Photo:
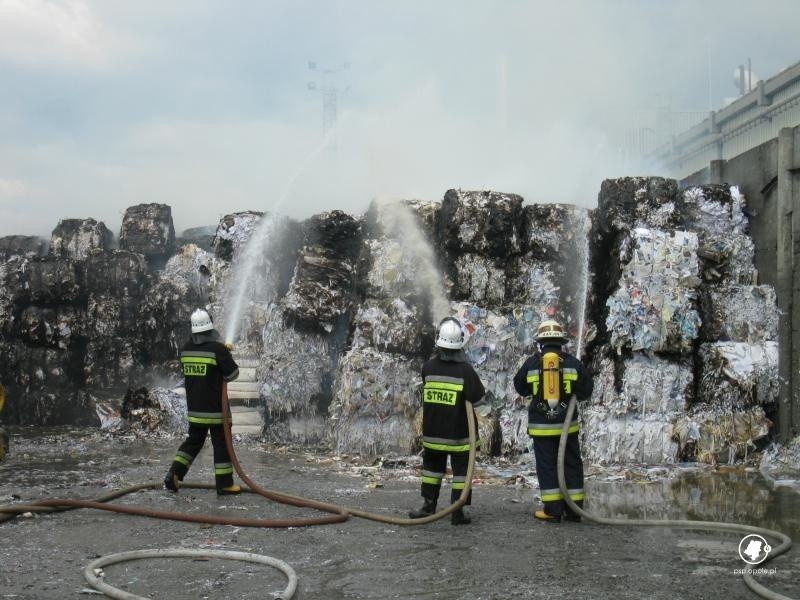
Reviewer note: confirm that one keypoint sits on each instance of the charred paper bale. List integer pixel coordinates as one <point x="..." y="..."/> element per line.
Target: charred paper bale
<point x="738" y="375"/>
<point x="112" y="329"/>
<point x="63" y="406"/>
<point x="202" y="237"/>
<point x="148" y="230"/>
<point x="321" y="291"/>
<point x="117" y="273"/>
<point x="717" y="434"/>
<point x="233" y="233"/>
<point x="714" y="209"/>
<point x="157" y="409"/>
<point x="727" y="258"/>
<point x="22" y="245"/>
<point x="392" y="326"/>
<point x="45" y="281"/>
<point x="376" y="397"/>
<point x="630" y="202"/>
<point x="485" y="223"/>
<point x="738" y="313"/>
<point x="553" y="231"/>
<point x="76" y="238"/>
<point x="53" y="327"/>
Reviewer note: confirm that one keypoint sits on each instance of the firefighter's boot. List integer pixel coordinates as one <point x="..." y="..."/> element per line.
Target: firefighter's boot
<point x="428" y="508"/>
<point x="459" y="518"/>
<point x="540" y="515"/>
<point x="171" y="481"/>
<point x="230" y="490"/>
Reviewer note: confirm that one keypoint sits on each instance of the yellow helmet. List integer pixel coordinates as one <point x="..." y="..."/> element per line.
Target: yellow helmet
<point x="550" y="331"/>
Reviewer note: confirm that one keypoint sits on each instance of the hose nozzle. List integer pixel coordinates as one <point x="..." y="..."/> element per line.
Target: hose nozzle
<point x="229" y="346"/>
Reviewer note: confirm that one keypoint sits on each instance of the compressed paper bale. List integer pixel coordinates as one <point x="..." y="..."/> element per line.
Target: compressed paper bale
<point x="781" y="461"/>
<point x="295" y="368"/>
<point x="370" y="436"/>
<point x="656" y="386"/>
<point x="671" y="258"/>
<point x="611" y="439"/>
<point x="322" y="285"/>
<point x="233" y="232"/>
<point x="391" y="326"/>
<point x="369" y="382"/>
<point x="651" y="317"/>
<point x="148" y="229"/>
<point x="727" y="258"/>
<point x="482" y="222"/>
<point x="628" y="202"/>
<point x="737" y="374"/>
<point x="393" y="270"/>
<point x="715" y="209"/>
<point x="739" y="313"/>
<point x="605" y="392"/>
<point x="76" y="238"/>
<point x="480" y="280"/>
<point x="116" y="272"/>
<point x="514" y="429"/>
<point x="713" y="434"/>
<point x="553" y="230"/>
<point x="54" y="327"/>
<point x="22" y="245"/>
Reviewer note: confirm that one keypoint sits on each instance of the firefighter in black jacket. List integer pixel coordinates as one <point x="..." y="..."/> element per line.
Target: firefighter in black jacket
<point x="448" y="381"/>
<point x="207" y="363"/>
<point x="551" y="377"/>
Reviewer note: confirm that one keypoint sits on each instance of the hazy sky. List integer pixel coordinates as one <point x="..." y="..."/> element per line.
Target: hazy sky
<point x="205" y="105"/>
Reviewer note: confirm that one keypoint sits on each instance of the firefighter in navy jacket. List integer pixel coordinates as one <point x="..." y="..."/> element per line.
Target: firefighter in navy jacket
<point x="448" y="381"/>
<point x="207" y="363"/>
<point x="550" y="377"/>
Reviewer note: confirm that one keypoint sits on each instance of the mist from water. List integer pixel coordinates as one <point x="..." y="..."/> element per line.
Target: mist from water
<point x="400" y="221"/>
<point x="583" y="273"/>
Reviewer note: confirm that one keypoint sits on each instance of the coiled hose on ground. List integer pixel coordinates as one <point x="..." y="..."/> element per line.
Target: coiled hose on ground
<point x="756" y="587"/>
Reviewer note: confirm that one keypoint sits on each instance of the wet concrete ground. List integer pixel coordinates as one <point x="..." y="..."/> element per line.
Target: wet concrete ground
<point x="504" y="553"/>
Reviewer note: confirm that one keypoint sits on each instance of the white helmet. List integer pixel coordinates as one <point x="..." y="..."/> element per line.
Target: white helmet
<point x="550" y="330"/>
<point x="201" y="321"/>
<point x="451" y="334"/>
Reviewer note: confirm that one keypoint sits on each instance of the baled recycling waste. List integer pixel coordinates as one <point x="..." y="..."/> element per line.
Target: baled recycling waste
<point x="656" y="288"/>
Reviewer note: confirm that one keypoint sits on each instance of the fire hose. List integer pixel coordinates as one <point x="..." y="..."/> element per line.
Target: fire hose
<point x="760" y="590"/>
<point x="339" y="514"/>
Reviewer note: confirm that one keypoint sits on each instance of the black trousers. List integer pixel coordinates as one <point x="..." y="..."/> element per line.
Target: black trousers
<point x="434" y="465"/>
<point x="190" y="448"/>
<point x="545" y="449"/>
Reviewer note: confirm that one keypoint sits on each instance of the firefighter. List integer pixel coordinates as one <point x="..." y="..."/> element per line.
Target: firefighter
<point x="207" y="363"/>
<point x="550" y="377"/>
<point x="448" y="381"/>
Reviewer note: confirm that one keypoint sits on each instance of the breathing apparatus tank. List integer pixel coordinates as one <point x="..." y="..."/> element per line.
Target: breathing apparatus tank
<point x="551" y="380"/>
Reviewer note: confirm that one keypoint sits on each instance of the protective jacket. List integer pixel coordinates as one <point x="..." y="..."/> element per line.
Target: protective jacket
<point x="206" y="364"/>
<point x="448" y="381"/>
<point x="544" y="419"/>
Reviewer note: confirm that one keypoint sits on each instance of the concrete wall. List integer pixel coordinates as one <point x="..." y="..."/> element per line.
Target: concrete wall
<point x="769" y="177"/>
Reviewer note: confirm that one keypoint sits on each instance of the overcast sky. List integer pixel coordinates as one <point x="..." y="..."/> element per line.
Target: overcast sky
<point x="205" y="105"/>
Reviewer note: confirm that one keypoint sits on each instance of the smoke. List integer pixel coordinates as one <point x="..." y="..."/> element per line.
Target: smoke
<point x="207" y="106"/>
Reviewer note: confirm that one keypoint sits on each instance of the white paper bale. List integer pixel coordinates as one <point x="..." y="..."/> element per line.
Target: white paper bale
<point x="627" y="439"/>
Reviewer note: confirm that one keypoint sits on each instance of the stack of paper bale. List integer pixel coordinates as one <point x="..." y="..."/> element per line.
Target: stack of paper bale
<point x="376" y="390"/>
<point x="737" y="361"/>
<point x="683" y="275"/>
<point x="511" y="267"/>
<point x="646" y="274"/>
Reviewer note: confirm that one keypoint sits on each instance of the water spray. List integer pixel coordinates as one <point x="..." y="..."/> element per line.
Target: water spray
<point x="583" y="290"/>
<point x="254" y="247"/>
